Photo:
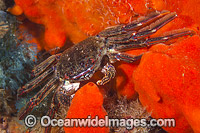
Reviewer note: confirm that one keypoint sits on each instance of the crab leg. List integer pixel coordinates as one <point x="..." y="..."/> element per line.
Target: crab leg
<point x="50" y="86"/>
<point x="109" y="71"/>
<point x="51" y="112"/>
<point x="154" y="27"/>
<point x="142" y="32"/>
<point x="151" y="41"/>
<point x="43" y="65"/>
<point x="176" y="34"/>
<point x="125" y="57"/>
<point x="133" y="26"/>
<point x="64" y="98"/>
<point x="35" y="82"/>
<point x="59" y="98"/>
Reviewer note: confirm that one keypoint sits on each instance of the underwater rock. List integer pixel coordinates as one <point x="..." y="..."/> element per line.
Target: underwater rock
<point x="7" y="106"/>
<point x="17" y="56"/>
<point x="6" y="4"/>
<point x="2" y="5"/>
<point x="168" y="79"/>
<point x="129" y="109"/>
<point x="4" y="25"/>
<point x="11" y="125"/>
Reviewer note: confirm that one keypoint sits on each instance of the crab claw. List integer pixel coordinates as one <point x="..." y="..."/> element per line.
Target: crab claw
<point x="70" y="88"/>
<point x="109" y="73"/>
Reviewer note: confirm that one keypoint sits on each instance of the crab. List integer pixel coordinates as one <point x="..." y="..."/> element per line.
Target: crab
<point x="65" y="71"/>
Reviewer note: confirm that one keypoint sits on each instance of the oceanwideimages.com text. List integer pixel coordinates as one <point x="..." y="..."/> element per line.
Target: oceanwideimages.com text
<point x="129" y="124"/>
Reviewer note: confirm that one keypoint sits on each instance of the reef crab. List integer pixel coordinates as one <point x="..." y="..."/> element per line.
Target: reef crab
<point x="65" y="71"/>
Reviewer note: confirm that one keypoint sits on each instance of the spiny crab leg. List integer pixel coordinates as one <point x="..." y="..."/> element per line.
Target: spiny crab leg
<point x="46" y="63"/>
<point x="64" y="98"/>
<point x="124" y="57"/>
<point x="33" y="83"/>
<point x="50" y="86"/>
<point x="133" y="26"/>
<point x="170" y="36"/>
<point x="37" y="71"/>
<point x="145" y="20"/>
<point x="109" y="71"/>
<point x="60" y="97"/>
<point x="51" y="112"/>
<point x="154" y="27"/>
<point x="151" y="41"/>
<point x="142" y="32"/>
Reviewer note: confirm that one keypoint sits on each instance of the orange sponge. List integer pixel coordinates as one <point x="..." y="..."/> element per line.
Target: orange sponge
<point x="168" y="80"/>
<point x="87" y="101"/>
<point x="77" y="19"/>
